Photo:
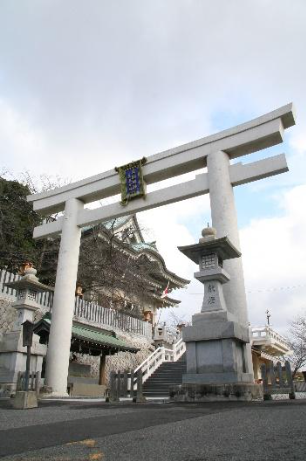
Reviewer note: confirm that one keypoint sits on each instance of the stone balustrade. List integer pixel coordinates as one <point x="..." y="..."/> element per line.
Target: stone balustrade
<point x="269" y="340"/>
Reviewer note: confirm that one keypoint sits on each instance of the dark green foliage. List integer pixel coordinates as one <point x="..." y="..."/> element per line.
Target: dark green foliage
<point x="17" y="221"/>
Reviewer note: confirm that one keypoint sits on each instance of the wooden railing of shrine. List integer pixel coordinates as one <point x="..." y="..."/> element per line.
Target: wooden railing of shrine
<point x="91" y="312"/>
<point x="277" y="379"/>
<point x="102" y="315"/>
<point x="126" y="384"/>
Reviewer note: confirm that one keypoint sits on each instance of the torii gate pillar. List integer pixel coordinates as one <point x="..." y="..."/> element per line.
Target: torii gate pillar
<point x="224" y="220"/>
<point x="63" y="302"/>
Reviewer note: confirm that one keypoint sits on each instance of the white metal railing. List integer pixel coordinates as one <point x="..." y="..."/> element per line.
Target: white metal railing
<point x="159" y="356"/>
<point x="83" y="309"/>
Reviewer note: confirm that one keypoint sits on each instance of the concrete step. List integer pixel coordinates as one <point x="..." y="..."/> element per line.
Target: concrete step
<point x="164" y="380"/>
<point x="168" y="374"/>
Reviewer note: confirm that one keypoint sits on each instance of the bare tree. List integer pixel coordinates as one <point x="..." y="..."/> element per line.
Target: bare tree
<point x="113" y="273"/>
<point x="297" y="341"/>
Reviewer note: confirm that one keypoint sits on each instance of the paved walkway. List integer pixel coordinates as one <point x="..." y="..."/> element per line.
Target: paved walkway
<point x="86" y="430"/>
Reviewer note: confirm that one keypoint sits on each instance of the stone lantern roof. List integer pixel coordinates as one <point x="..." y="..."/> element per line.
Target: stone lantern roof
<point x="29" y="280"/>
<point x="221" y="246"/>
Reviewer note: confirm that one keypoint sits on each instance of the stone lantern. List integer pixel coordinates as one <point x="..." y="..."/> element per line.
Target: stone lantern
<point x="28" y="288"/>
<point x="209" y="254"/>
<point x="12" y="352"/>
<point x="216" y="343"/>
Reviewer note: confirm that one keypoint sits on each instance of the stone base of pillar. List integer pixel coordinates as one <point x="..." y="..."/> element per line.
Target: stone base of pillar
<point x="216" y="392"/>
<point x="216" y="351"/>
<point x="24" y="400"/>
<point x="53" y="395"/>
<point x="13" y="357"/>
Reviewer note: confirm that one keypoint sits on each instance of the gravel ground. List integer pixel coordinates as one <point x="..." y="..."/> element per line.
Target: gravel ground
<point x="274" y="430"/>
<point x="52" y="412"/>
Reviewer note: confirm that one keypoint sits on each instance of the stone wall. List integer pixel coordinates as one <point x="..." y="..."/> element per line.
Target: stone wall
<point x="7" y="316"/>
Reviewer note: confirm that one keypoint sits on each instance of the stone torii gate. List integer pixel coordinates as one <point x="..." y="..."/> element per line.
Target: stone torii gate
<point x="213" y="152"/>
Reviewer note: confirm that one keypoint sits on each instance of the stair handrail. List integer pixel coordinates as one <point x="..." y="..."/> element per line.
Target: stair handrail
<point x="149" y="365"/>
<point x="159" y="356"/>
<point x="178" y="349"/>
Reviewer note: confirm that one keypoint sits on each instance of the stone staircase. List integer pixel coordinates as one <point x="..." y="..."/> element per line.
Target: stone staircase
<point x="167" y="374"/>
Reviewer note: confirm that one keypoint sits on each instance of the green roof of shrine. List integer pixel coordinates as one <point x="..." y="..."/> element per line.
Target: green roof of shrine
<point x="110" y="225"/>
<point x="144" y="246"/>
<point x="117" y="222"/>
<point x="93" y="335"/>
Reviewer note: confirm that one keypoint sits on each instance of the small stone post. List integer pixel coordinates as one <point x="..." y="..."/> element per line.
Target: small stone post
<point x="140" y="398"/>
<point x="113" y="389"/>
<point x="265" y="383"/>
<point x="132" y="385"/>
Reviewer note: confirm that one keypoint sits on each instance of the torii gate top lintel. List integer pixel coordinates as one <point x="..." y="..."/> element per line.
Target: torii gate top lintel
<point x="249" y="137"/>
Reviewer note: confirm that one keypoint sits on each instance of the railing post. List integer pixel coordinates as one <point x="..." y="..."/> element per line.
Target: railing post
<point x="119" y="384"/>
<point x="132" y="385"/>
<point x="112" y="394"/>
<point x="139" y="393"/>
<point x="271" y="372"/>
<point x="265" y="384"/>
<point x="125" y="384"/>
<point x="280" y="374"/>
<point x="163" y="353"/>
<point x="290" y="380"/>
<point x="37" y="382"/>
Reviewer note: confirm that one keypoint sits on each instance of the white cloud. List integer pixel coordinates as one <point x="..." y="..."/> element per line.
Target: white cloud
<point x="87" y="87"/>
<point x="274" y="255"/>
<point x="19" y="139"/>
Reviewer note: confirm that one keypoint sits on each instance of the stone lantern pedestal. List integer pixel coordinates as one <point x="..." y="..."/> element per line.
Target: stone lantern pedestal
<point x="216" y="343"/>
<point x="12" y="352"/>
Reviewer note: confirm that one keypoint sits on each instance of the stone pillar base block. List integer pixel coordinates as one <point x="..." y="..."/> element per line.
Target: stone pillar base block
<point x="139" y="399"/>
<point x="24" y="400"/>
<point x="46" y="392"/>
<point x="215" y="392"/>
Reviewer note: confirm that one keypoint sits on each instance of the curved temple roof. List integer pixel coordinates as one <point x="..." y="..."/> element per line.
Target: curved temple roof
<point x="96" y="337"/>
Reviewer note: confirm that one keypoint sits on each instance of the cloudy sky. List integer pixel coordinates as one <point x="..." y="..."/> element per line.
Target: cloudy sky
<point x="89" y="85"/>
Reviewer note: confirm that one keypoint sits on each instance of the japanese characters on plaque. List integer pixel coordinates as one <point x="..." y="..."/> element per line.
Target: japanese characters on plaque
<point x="211" y="289"/>
<point x="132" y="183"/>
<point x="208" y="261"/>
